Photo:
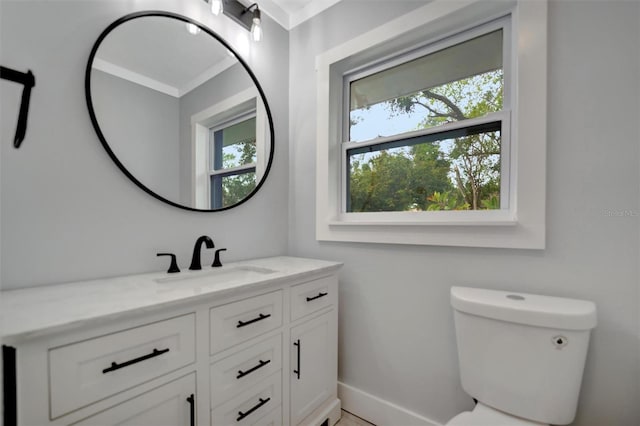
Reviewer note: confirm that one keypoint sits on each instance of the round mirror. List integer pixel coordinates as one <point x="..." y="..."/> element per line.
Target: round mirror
<point x="179" y="112"/>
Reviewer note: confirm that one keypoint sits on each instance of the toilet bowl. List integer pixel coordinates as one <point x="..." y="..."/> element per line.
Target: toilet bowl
<point x="521" y="356"/>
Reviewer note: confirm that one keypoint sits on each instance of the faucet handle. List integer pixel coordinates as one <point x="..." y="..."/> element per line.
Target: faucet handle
<point x="216" y="260"/>
<point x="174" y="265"/>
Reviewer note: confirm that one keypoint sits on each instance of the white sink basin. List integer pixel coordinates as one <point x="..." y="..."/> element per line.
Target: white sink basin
<point x="218" y="275"/>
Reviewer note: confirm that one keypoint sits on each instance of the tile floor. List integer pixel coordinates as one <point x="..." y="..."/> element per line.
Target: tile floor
<point x="349" y="419"/>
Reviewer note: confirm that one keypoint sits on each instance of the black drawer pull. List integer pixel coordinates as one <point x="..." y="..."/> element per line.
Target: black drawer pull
<point x="309" y="299"/>
<point x="251" y="370"/>
<point x="192" y="410"/>
<point x="115" y="366"/>
<point x="297" y="344"/>
<point x="242" y="415"/>
<point x="260" y="318"/>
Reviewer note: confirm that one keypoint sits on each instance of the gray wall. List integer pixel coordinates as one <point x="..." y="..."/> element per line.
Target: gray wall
<point x="396" y="327"/>
<point x="67" y="212"/>
<point x="141" y="126"/>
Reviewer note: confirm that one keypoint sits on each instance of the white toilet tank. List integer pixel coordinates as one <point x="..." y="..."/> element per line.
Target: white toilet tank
<point x="520" y="353"/>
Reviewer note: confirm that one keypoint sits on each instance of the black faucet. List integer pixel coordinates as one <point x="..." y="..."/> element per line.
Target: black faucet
<point x="216" y="260"/>
<point x="195" y="260"/>
<point x="174" y="265"/>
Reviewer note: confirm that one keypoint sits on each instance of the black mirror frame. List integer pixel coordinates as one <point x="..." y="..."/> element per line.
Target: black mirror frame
<point x="105" y="144"/>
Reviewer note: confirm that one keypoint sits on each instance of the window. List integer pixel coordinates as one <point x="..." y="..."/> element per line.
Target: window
<point x="425" y="133"/>
<point x="432" y="129"/>
<point x="232" y="169"/>
<point x="230" y="150"/>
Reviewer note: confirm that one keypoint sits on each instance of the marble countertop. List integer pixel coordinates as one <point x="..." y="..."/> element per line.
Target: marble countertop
<point x="39" y="310"/>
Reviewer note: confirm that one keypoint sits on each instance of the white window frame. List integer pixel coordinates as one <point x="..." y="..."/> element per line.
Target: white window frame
<point x="503" y="116"/>
<point x="520" y="223"/>
<point x="232" y="171"/>
<point x="201" y="124"/>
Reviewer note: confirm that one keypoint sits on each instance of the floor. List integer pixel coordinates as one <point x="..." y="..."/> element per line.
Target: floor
<point x="349" y="419"/>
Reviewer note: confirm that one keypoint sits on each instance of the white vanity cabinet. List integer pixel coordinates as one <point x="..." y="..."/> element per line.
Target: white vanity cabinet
<point x="313" y="354"/>
<point x="313" y="346"/>
<point x="90" y="370"/>
<point x="157" y="350"/>
<point x="162" y="406"/>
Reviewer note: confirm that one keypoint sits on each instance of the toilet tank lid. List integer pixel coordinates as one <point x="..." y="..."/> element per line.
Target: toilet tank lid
<point x="523" y="308"/>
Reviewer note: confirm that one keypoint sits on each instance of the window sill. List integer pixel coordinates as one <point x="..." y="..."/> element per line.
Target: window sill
<point x="492" y="234"/>
<point x="443" y="223"/>
<point x="432" y="218"/>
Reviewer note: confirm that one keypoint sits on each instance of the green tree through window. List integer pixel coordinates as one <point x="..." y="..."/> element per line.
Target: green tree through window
<point x="234" y="162"/>
<point x="460" y="173"/>
<point x="236" y="187"/>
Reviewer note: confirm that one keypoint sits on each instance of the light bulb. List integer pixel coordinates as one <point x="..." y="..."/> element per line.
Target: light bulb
<point x="256" y="31"/>
<point x="256" y="28"/>
<point x="216" y="7"/>
<point x="192" y="28"/>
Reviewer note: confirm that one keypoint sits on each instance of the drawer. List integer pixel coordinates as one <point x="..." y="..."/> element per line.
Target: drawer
<point x="274" y="418"/>
<point x="85" y="372"/>
<point x="252" y="407"/>
<point x="313" y="296"/>
<point x="239" y="321"/>
<point x="244" y="369"/>
<point x="166" y="405"/>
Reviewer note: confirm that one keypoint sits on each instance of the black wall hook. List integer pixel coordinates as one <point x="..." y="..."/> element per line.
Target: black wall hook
<point x="28" y="80"/>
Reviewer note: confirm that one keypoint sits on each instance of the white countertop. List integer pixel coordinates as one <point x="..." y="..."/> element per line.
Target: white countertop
<point x="38" y="310"/>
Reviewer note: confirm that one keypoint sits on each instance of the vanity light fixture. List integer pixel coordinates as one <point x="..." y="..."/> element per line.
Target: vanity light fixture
<point x="248" y="17"/>
<point x="256" y="27"/>
<point x="239" y="13"/>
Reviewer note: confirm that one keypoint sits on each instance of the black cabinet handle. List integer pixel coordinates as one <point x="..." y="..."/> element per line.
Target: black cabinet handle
<point x="309" y="299"/>
<point x="192" y="410"/>
<point x="259" y="318"/>
<point x="242" y="415"/>
<point x="116" y="366"/>
<point x="297" y="371"/>
<point x="251" y="370"/>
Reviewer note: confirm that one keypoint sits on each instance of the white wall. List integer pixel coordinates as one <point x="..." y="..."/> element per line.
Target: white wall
<point x="67" y="212"/>
<point x="396" y="329"/>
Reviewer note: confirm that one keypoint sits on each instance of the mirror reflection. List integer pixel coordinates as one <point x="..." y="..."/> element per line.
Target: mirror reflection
<point x="178" y="112"/>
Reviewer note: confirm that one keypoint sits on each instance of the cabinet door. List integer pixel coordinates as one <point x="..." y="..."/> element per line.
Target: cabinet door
<point x="167" y="405"/>
<point x="313" y="366"/>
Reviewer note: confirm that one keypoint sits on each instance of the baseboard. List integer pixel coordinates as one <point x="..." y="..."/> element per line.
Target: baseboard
<point x="377" y="410"/>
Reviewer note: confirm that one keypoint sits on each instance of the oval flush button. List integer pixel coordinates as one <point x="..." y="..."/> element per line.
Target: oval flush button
<point x="559" y="341"/>
<point x="515" y="297"/>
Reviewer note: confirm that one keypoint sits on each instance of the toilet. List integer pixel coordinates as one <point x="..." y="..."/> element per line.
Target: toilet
<point x="521" y="356"/>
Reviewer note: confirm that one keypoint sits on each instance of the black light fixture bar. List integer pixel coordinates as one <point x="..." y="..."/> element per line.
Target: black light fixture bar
<point x="239" y="13"/>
